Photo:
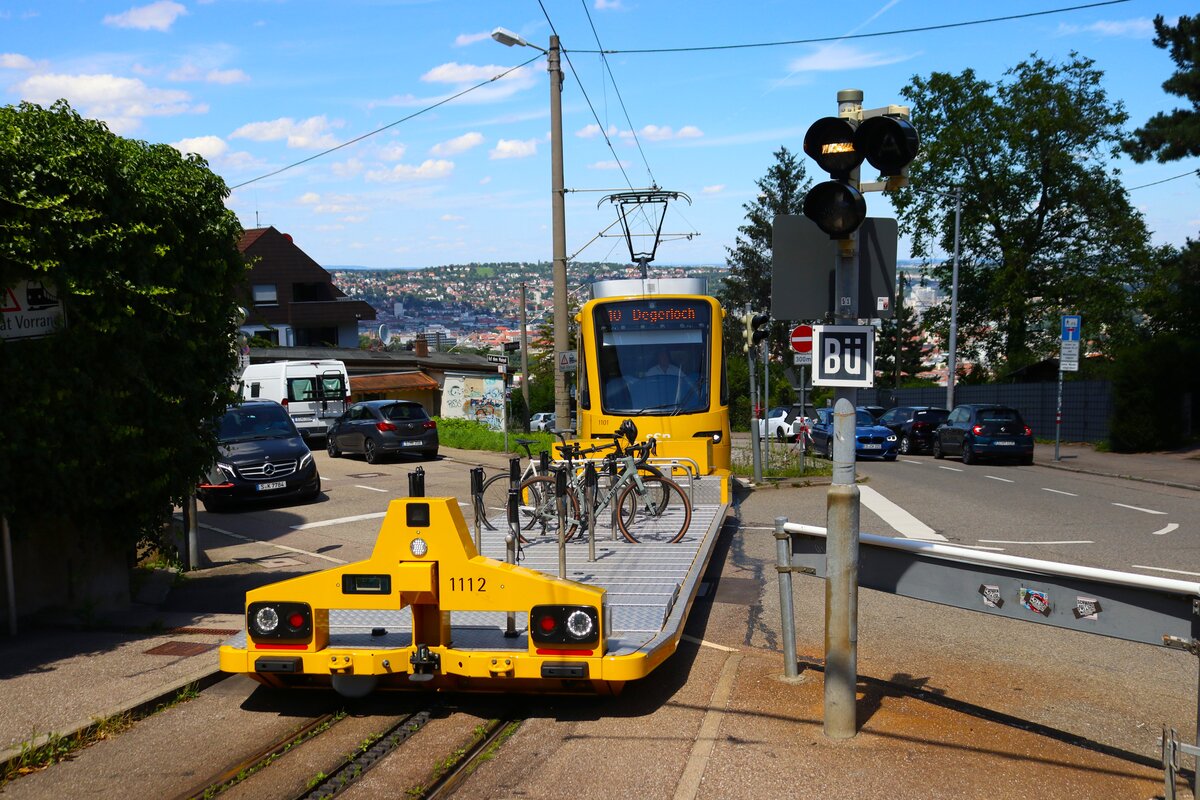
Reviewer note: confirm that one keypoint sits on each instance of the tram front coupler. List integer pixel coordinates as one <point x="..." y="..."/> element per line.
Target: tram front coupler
<point x="425" y="561"/>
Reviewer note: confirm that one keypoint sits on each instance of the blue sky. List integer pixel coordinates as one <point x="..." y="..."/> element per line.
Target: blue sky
<point x="257" y="85"/>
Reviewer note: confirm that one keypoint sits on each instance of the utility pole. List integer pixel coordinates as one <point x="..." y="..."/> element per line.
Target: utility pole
<point x="524" y="357"/>
<point x="562" y="405"/>
<point x="952" y="357"/>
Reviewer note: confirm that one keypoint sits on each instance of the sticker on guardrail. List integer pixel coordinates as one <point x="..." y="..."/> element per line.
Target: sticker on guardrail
<point x="1036" y="601"/>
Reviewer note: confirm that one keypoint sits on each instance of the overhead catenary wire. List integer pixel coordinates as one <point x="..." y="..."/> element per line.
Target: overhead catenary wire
<point x="845" y="37"/>
<point x="369" y="134"/>
<point x="1195" y="172"/>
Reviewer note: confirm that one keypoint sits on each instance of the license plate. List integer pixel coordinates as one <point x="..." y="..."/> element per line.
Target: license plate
<point x="264" y="487"/>
<point x="1004" y="443"/>
<point x="872" y="447"/>
<point x="413" y="443"/>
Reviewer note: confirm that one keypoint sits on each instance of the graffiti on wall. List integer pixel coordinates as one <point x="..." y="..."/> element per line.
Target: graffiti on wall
<point x="476" y="397"/>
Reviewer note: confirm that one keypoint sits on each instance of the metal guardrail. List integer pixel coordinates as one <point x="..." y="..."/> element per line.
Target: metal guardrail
<point x="1164" y="612"/>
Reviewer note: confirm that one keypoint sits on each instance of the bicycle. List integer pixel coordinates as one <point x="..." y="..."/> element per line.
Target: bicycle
<point x="649" y="505"/>
<point x="494" y="501"/>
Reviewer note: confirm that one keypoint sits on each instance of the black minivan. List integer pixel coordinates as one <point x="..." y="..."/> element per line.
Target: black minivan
<point x="260" y="455"/>
<point x="976" y="431"/>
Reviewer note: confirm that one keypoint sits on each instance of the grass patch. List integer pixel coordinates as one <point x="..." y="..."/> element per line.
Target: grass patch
<point x="467" y="434"/>
<point x="783" y="462"/>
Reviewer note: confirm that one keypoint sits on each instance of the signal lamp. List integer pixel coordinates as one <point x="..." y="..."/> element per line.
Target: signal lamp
<point x="837" y="208"/>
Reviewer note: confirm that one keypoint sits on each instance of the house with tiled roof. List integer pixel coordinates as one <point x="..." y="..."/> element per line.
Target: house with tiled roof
<point x="290" y="298"/>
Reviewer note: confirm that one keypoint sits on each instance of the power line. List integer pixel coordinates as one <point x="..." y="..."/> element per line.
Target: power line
<point x="1195" y="172"/>
<point x="357" y="139"/>
<point x="819" y="40"/>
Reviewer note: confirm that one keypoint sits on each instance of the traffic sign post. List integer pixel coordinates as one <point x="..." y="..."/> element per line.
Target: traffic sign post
<point x="1068" y="361"/>
<point x="801" y="341"/>
<point x="845" y="355"/>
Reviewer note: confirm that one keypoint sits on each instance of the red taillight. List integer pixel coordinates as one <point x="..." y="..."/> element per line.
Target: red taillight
<point x="346" y="400"/>
<point x="428" y="424"/>
<point x="384" y="426"/>
<point x="283" y="402"/>
<point x="547" y="623"/>
<point x="978" y="429"/>
<point x="1028" y="431"/>
<point x="920" y="426"/>
<point x="296" y="620"/>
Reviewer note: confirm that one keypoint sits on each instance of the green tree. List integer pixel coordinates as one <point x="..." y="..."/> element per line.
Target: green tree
<point x="901" y="330"/>
<point x="780" y="191"/>
<point x="1047" y="227"/>
<point x="108" y="421"/>
<point x="1170" y="137"/>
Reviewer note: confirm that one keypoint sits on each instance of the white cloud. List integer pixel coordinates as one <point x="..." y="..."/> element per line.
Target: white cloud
<point x="308" y="198"/>
<point x="348" y="168"/>
<point x="1137" y="28"/>
<point x="453" y="72"/>
<point x="450" y="218"/>
<point x="516" y="81"/>
<point x="209" y="147"/>
<point x="428" y="169"/>
<point x="514" y="148"/>
<point x="121" y="102"/>
<point x="485" y="180"/>
<point x="661" y="133"/>
<point x="459" y="144"/>
<point x="609" y="165"/>
<point x="242" y="160"/>
<point x="353" y="218"/>
<point x="393" y="152"/>
<point x="593" y="130"/>
<point x="15" y="61"/>
<point x="464" y="39"/>
<point x="226" y="76"/>
<point x="312" y="133"/>
<point x="157" y="16"/>
<point x="714" y="189"/>
<point x="609" y="5"/>
<point x="839" y="56"/>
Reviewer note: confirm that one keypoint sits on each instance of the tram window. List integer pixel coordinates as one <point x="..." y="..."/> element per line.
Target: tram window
<point x="584" y="395"/>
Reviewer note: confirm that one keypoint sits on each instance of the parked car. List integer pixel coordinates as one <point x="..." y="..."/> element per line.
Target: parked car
<point x="976" y="431"/>
<point x="552" y="425"/>
<point x="870" y="440"/>
<point x="378" y="428"/>
<point x="915" y="425"/>
<point x="777" y="424"/>
<point x="315" y="393"/>
<point x="541" y="421"/>
<point x="260" y="455"/>
<point x="875" y="411"/>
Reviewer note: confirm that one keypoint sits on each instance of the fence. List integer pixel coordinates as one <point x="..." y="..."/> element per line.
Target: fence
<point x="1087" y="405"/>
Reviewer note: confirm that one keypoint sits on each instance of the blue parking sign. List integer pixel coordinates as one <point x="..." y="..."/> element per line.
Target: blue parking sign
<point x="1071" y="323"/>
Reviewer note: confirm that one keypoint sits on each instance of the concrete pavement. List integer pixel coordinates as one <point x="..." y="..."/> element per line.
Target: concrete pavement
<point x="60" y="677"/>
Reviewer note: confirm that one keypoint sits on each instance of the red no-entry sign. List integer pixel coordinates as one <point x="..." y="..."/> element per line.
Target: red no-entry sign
<point x="802" y="338"/>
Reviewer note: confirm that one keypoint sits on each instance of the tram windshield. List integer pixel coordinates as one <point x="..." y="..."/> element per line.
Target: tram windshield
<point x="653" y="356"/>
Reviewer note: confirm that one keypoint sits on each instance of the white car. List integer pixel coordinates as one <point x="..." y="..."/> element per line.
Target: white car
<point x="541" y="421"/>
<point x="776" y="425"/>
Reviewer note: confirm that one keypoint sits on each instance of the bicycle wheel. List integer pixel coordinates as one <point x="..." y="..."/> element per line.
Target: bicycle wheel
<point x="538" y="511"/>
<point x="495" y="502"/>
<point x="660" y="513"/>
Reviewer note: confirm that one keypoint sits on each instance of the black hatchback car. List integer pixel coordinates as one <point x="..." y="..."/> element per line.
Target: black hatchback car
<point x="914" y="426"/>
<point x="260" y="455"/>
<point x="377" y="428"/>
<point x="984" y="431"/>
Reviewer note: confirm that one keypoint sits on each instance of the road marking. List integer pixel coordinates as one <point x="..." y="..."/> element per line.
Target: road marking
<point x="339" y="521"/>
<point x="706" y="643"/>
<point x="910" y="461"/>
<point x="1164" y="569"/>
<point x="369" y="488"/>
<point x="1139" y="508"/>
<point x="710" y="728"/>
<point x="993" y="477"/>
<point x="283" y="547"/>
<point x="1059" y="491"/>
<point x="1065" y="541"/>
<point x="952" y="469"/>
<point x="1170" y="527"/>
<point x="903" y="522"/>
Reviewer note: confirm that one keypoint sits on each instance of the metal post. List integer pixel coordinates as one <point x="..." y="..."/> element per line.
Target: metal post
<point x="193" y="533"/>
<point x="951" y="362"/>
<point x="590" y="480"/>
<point x="510" y="552"/>
<point x="504" y="406"/>
<point x="783" y="564"/>
<point x="524" y="358"/>
<point x="803" y="415"/>
<point x="477" y="504"/>
<point x="10" y="578"/>
<point x="416" y="482"/>
<point x="1058" y="411"/>
<point x="841" y="585"/>
<point x="560" y="497"/>
<point x="756" y="456"/>
<point x="562" y="406"/>
<point x="766" y="403"/>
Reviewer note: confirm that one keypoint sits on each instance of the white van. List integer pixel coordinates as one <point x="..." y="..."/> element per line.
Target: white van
<point x="315" y="393"/>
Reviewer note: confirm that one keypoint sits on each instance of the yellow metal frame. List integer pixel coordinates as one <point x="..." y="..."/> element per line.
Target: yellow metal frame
<point x="675" y="434"/>
<point x="450" y="576"/>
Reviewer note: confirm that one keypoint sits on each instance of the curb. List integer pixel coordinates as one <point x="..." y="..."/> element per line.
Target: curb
<point x="1156" y="481"/>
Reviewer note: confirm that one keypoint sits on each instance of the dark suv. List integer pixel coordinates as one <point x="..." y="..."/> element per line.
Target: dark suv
<point x="260" y="455"/>
<point x="984" y="431"/>
<point x="914" y="425"/>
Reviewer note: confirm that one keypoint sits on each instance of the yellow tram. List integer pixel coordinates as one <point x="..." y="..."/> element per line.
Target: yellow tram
<point x="435" y="608"/>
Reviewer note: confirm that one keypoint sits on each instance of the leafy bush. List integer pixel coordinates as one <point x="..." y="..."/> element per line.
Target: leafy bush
<point x="1155" y="391"/>
<point x="467" y="434"/>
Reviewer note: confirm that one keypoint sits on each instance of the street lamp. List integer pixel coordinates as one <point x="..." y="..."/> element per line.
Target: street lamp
<point x="558" y="208"/>
<point x="952" y="358"/>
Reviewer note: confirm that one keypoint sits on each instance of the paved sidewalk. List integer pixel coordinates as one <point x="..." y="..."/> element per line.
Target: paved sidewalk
<point x="57" y="679"/>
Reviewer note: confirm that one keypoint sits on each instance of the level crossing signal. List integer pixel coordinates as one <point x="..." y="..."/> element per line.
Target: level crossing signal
<point x="754" y="332"/>
<point x="839" y="145"/>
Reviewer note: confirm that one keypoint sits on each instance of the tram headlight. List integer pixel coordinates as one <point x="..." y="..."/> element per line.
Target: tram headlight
<point x="280" y="622"/>
<point x="580" y="625"/>
<point x="418" y="547"/>
<point x="573" y="625"/>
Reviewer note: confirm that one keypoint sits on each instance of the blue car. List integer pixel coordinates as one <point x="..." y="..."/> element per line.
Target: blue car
<point x="871" y="440"/>
<point x="976" y="431"/>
